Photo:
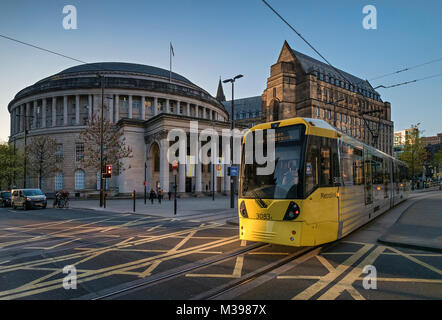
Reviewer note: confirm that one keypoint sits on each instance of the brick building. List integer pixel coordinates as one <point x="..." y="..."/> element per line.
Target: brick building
<point x="300" y="86"/>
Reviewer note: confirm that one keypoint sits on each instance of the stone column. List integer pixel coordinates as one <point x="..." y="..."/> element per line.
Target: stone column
<point x="89" y="105"/>
<point x="34" y="120"/>
<point x="130" y="107"/>
<point x="178" y="106"/>
<point x="182" y="179"/>
<point x="188" y="109"/>
<point x="143" y="108"/>
<point x="167" y="106"/>
<point x="43" y="113"/>
<point x="111" y="111"/>
<point x="198" y="173"/>
<point x="28" y="113"/>
<point x="65" y="110"/>
<point x="22" y="117"/>
<point x="196" y="111"/>
<point x="54" y="111"/>
<point x="77" y="110"/>
<point x="226" y="179"/>
<point x="12" y="121"/>
<point x="164" y="166"/>
<point x="155" y="106"/>
<point x="117" y="108"/>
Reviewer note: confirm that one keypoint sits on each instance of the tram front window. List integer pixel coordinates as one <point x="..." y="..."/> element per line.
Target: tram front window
<point x="285" y="181"/>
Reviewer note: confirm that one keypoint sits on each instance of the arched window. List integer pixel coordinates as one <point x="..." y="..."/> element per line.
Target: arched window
<point x="80" y="178"/>
<point x="58" y="181"/>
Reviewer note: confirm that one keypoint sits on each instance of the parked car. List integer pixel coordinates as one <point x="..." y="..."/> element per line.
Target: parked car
<point x="28" y="198"/>
<point x="5" y="198"/>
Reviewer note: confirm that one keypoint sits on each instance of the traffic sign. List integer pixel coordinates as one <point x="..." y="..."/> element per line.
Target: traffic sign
<point x="233" y="171"/>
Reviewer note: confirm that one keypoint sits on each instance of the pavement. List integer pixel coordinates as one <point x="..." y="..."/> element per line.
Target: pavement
<point x="419" y="226"/>
<point x="185" y="206"/>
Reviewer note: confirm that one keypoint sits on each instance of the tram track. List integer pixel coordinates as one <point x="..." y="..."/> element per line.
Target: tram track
<point x="223" y="291"/>
<point x="158" y="278"/>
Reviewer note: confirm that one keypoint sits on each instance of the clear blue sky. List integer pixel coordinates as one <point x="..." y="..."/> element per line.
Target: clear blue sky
<point x="226" y="37"/>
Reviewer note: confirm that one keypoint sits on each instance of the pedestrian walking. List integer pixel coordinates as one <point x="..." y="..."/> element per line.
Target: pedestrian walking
<point x="160" y="195"/>
<point x="151" y="195"/>
<point x="169" y="194"/>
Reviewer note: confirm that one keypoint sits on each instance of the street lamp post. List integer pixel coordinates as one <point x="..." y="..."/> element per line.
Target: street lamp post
<point x="145" y="182"/>
<point x="101" y="141"/>
<point x="213" y="177"/>
<point x="25" y="165"/>
<point x="232" y="180"/>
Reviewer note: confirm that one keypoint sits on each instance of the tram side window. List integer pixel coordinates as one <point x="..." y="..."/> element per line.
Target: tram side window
<point x="347" y="164"/>
<point x="311" y="166"/>
<point x="358" y="167"/>
<point x="403" y="172"/>
<point x="386" y="177"/>
<point x="396" y="178"/>
<point x="377" y="170"/>
<point x="325" y="167"/>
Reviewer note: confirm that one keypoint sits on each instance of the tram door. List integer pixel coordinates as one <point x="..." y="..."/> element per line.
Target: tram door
<point x="368" y="174"/>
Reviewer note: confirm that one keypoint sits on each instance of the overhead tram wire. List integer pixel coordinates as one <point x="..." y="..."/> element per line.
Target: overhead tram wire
<point x="86" y="64"/>
<point x="334" y="68"/>
<point x="40" y="48"/>
<point x="408" y="82"/>
<point x="406" y="69"/>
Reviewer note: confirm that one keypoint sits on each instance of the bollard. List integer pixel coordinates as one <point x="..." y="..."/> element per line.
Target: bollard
<point x="104" y="200"/>
<point x="174" y="199"/>
<point x="134" y="197"/>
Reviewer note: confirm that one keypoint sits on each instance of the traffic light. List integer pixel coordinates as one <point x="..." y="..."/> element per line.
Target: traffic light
<point x="108" y="173"/>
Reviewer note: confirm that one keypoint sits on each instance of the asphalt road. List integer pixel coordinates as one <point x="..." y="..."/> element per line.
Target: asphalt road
<point x="112" y="252"/>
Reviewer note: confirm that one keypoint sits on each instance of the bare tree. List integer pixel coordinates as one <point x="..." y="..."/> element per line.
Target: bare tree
<point x="42" y="159"/>
<point x="114" y="145"/>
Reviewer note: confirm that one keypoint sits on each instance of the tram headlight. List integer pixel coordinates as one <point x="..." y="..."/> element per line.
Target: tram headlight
<point x="243" y="210"/>
<point x="292" y="212"/>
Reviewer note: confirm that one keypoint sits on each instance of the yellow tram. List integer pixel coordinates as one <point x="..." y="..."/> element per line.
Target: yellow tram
<point x="324" y="185"/>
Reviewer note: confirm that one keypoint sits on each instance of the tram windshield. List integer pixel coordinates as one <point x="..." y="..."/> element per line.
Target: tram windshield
<point x="285" y="182"/>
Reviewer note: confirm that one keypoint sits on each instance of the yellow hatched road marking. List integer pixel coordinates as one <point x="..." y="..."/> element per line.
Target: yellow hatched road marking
<point x="299" y="277"/>
<point x="235" y="274"/>
<point x="54" y="246"/>
<point x="90" y="275"/>
<point x="419" y="262"/>
<point x="153" y="228"/>
<point x="325" y="263"/>
<point x="327" y="279"/>
<point x="406" y="280"/>
<point x="155" y="264"/>
<point x="347" y="282"/>
<point x="96" y="250"/>
<point x="269" y="253"/>
<point x="149" y="270"/>
<point x="59" y="233"/>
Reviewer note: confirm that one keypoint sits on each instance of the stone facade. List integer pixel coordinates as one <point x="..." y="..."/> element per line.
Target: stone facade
<point x="300" y="86"/>
<point x="141" y="100"/>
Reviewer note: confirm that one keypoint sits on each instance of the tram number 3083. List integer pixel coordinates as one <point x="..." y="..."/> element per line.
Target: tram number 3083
<point x="264" y="216"/>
